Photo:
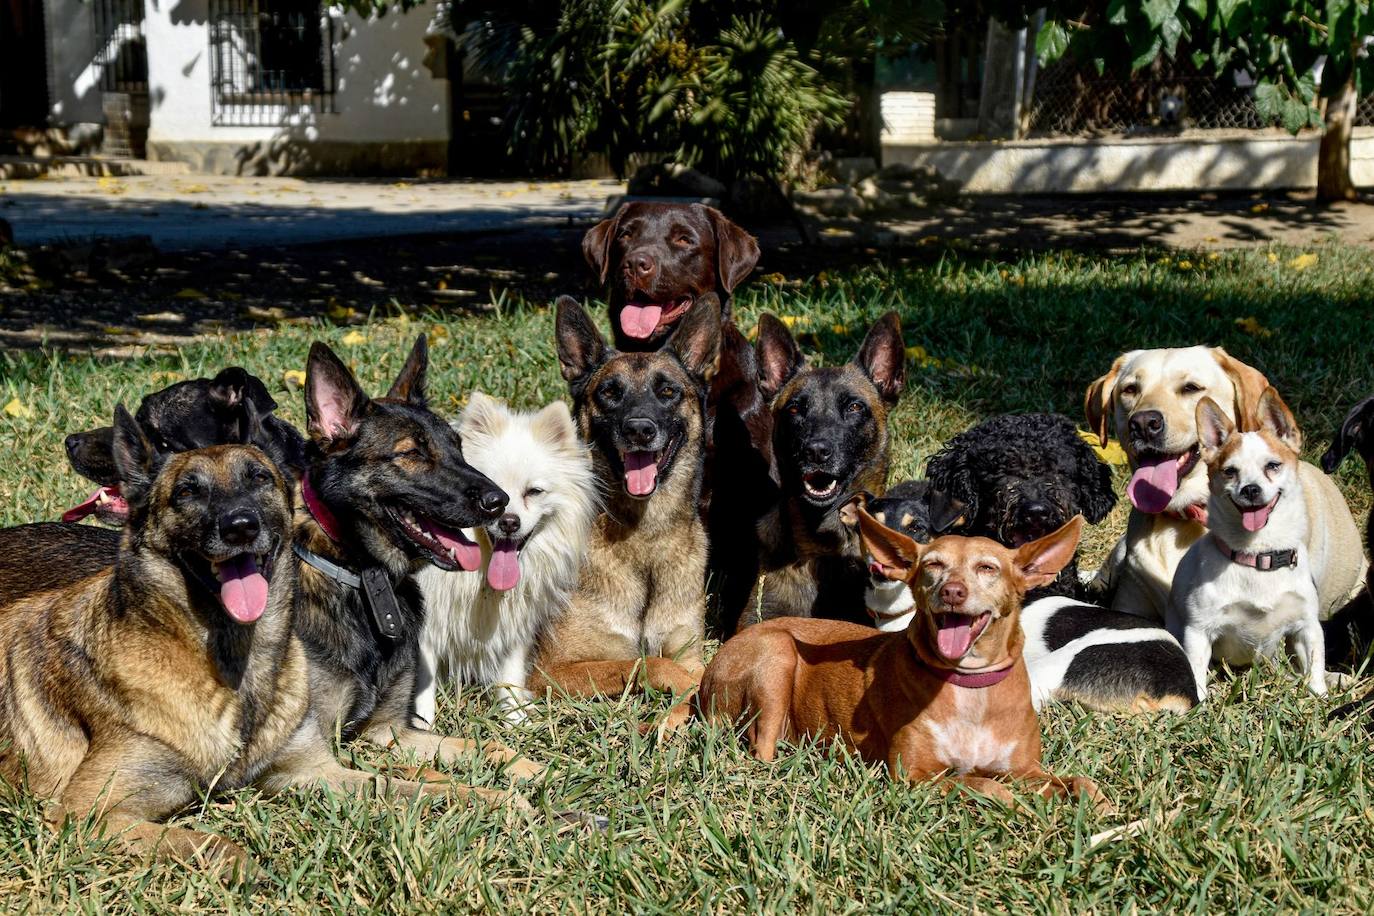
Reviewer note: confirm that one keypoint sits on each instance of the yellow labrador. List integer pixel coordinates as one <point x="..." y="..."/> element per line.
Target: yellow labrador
<point x="1151" y="397"/>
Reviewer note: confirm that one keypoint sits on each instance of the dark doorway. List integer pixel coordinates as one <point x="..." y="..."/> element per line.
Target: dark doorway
<point x="23" y="64"/>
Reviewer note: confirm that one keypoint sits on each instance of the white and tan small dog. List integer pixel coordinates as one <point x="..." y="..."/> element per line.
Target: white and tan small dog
<point x="481" y="627"/>
<point x="1247" y="590"/>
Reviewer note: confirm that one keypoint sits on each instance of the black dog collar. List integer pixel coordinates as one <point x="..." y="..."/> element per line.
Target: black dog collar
<point x="375" y="584"/>
<point x="1264" y="562"/>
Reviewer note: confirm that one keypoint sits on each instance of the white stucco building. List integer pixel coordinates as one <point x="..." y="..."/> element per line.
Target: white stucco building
<point x="240" y="86"/>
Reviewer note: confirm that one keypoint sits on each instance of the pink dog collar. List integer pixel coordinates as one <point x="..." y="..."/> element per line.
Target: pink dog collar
<point x="976" y="680"/>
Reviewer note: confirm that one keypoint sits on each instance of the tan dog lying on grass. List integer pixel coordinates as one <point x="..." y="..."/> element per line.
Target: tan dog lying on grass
<point x="949" y="697"/>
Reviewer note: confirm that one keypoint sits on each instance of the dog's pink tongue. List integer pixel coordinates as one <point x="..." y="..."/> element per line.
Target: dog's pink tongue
<point x="117" y="504"/>
<point x="955" y="635"/>
<point x="503" y="572"/>
<point x="242" y="589"/>
<point x="1255" y="519"/>
<point x="465" y="552"/>
<point x="1153" y="484"/>
<point x="640" y="320"/>
<point x="641" y="473"/>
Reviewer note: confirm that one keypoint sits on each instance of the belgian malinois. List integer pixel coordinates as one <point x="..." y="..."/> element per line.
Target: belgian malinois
<point x="639" y="607"/>
<point x="829" y="440"/>
<point x="135" y="691"/>
<point x="387" y="492"/>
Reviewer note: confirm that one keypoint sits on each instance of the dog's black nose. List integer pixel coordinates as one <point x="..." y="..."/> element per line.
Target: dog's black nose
<point x="1037" y="511"/>
<point x="642" y="263"/>
<point x="640" y="431"/>
<point x="490" y="503"/>
<point x="818" y="451"/>
<point x="509" y="523"/>
<point x="1146" y="424"/>
<point x="239" y="527"/>
<point x="1251" y="493"/>
<point x="73" y="442"/>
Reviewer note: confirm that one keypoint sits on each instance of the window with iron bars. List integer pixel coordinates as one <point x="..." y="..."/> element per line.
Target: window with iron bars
<point x="121" y="52"/>
<point x="270" y="60"/>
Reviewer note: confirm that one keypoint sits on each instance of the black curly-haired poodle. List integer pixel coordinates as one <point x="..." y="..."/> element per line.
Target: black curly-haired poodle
<point x="1022" y="476"/>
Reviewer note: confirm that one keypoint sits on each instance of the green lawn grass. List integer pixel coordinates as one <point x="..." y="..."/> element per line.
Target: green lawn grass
<point x="1273" y="803"/>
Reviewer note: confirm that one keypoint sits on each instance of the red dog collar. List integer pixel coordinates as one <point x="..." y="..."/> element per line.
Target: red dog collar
<point x="976" y="680"/>
<point x="318" y="510"/>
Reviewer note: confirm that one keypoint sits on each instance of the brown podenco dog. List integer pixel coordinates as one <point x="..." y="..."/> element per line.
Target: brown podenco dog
<point x="950" y="695"/>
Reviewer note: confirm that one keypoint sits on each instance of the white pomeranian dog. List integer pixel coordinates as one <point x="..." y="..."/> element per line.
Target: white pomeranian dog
<point x="481" y="627"/>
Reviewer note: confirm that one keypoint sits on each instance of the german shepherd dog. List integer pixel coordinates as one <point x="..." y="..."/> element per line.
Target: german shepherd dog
<point x="658" y="262"/>
<point x="175" y="672"/>
<point x="830" y="439"/>
<point x="387" y="493"/>
<point x="639" y="607"/>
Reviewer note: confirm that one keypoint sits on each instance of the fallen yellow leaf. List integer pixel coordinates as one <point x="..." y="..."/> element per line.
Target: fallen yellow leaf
<point x="1273" y="258"/>
<point x="1250" y="325"/>
<point x="795" y="321"/>
<point x="776" y="279"/>
<point x="1259" y="208"/>
<point x="17" y="408"/>
<point x="1303" y="261"/>
<point x="1185" y="265"/>
<point x="340" y="312"/>
<point x="188" y="293"/>
<point x="353" y="338"/>
<point x="293" y="378"/>
<point x="840" y="328"/>
<point x="401" y="184"/>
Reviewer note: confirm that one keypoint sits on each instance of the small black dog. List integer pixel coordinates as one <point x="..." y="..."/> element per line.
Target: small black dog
<point x="1356" y="433"/>
<point x="189" y="415"/>
<point x="1023" y="476"/>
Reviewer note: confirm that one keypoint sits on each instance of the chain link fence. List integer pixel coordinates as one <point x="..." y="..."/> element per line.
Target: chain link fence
<point x="1071" y="99"/>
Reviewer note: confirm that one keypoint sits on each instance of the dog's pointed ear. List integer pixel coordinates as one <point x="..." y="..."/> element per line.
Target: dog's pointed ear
<point x="946" y="512"/>
<point x="849" y="509"/>
<point x="1100" y="399"/>
<point x="554" y="426"/>
<point x="894" y="552"/>
<point x="410" y="384"/>
<point x="779" y="356"/>
<point x="136" y="459"/>
<point x="1214" y="427"/>
<point x="1276" y="419"/>
<point x="696" y="339"/>
<point x="882" y="357"/>
<point x="1041" y="560"/>
<point x="334" y="402"/>
<point x="581" y="348"/>
<point x="1354" y="433"/>
<point x="737" y="252"/>
<point x="950" y="475"/>
<point x="596" y="245"/>
<point x="483" y="416"/>
<point x="227" y="387"/>
<point x="1249" y="384"/>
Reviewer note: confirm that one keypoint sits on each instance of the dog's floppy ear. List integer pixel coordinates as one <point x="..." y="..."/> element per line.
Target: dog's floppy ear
<point x="410" y="384"/>
<point x="596" y="245"/>
<point x="696" y="339"/>
<point x="736" y="250"/>
<point x="483" y="416"/>
<point x="1249" y="383"/>
<point x="894" y="552"/>
<point x="249" y="431"/>
<point x="1092" y="480"/>
<point x="334" y="402"/>
<point x="1100" y="399"/>
<point x="1041" y="560"/>
<point x="882" y="357"/>
<point x="554" y="426"/>
<point x="779" y="356"/>
<point x="1354" y="433"/>
<point x="949" y="473"/>
<point x="581" y="348"/>
<point x="235" y="384"/>
<point x="1276" y="419"/>
<point x="1213" y="427"/>
<point x="135" y="458"/>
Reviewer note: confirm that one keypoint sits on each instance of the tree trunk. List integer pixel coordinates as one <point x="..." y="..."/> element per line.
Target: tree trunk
<point x="1333" y="156"/>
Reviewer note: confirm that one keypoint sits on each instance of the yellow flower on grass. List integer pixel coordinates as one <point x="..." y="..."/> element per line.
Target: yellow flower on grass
<point x="1250" y="325"/>
<point x="1273" y="258"/>
<point x="164" y="378"/>
<point x="840" y="328"/>
<point x="795" y="321"/>
<point x="17" y="408"/>
<point x="774" y="278"/>
<point x="1185" y="265"/>
<point x="340" y="312"/>
<point x="354" y="338"/>
<point x="920" y="357"/>
<point x="293" y="378"/>
<point x="1214" y="256"/>
<point x="1303" y="261"/>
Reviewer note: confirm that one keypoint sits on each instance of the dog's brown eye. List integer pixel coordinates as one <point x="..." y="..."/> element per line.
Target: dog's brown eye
<point x="262" y="475"/>
<point x="533" y="491"/>
<point x="684" y="240"/>
<point x="934" y="566"/>
<point x="1192" y="388"/>
<point x="1229" y="473"/>
<point x="667" y="392"/>
<point x="855" y="407"/>
<point x="1272" y="467"/>
<point x="1131" y="389"/>
<point x="185" y="491"/>
<point x="987" y="568"/>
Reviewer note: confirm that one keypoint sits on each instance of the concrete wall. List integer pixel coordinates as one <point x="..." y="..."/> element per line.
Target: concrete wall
<point x="390" y="113"/>
<point x="1202" y="160"/>
<point x="73" y="80"/>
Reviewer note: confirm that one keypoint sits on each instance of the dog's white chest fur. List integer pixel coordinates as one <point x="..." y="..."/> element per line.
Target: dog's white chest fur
<point x="965" y="743"/>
